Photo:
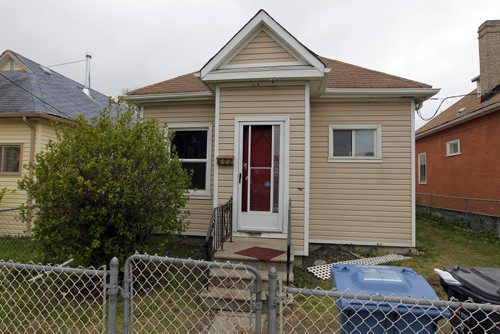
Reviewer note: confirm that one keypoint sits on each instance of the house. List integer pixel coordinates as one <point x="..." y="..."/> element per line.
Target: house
<point x="33" y="96"/>
<point x="290" y="136"/>
<point x="458" y="152"/>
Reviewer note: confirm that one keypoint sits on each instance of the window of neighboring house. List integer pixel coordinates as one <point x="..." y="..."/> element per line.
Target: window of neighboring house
<point x="453" y="148"/>
<point x="355" y="143"/>
<point x="192" y="145"/>
<point x="422" y="168"/>
<point x="10" y="159"/>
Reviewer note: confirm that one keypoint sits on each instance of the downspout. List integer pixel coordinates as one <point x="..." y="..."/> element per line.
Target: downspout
<point x="31" y="168"/>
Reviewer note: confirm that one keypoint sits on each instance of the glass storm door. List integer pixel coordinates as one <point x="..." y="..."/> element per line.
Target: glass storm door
<point x="260" y="177"/>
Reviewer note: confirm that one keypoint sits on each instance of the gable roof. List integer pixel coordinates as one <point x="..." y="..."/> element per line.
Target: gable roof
<point x="470" y="106"/>
<point x="342" y="75"/>
<point x="261" y="20"/>
<point x="64" y="97"/>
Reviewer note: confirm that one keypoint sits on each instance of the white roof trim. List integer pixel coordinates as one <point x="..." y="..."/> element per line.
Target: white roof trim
<point x="188" y="96"/>
<point x="259" y="20"/>
<point x="306" y="73"/>
<point x="419" y="93"/>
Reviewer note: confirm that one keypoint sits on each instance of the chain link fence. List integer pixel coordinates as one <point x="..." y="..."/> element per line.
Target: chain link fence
<point x="488" y="207"/>
<point x="156" y="294"/>
<point x="321" y="311"/>
<point x="37" y="298"/>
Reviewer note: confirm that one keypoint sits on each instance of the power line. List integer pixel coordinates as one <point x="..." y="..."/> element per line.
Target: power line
<point x="68" y="63"/>
<point x="39" y="98"/>
<point x="443" y="99"/>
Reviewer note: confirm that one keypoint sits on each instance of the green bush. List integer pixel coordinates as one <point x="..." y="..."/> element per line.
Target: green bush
<point x="105" y="188"/>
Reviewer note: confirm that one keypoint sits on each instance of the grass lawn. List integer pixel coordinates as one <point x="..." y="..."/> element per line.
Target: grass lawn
<point x="441" y="244"/>
<point x="18" y="249"/>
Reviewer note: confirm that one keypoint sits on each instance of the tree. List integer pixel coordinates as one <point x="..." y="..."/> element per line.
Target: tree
<point x="106" y="188"/>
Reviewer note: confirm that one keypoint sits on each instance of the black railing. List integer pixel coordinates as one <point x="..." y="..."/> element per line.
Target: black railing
<point x="220" y="229"/>
<point x="289" y="242"/>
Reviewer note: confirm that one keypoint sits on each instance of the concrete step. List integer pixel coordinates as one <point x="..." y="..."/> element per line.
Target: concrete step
<point x="242" y="279"/>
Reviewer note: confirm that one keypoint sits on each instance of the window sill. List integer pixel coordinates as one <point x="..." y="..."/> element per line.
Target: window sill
<point x="355" y="160"/>
<point x="454" y="154"/>
<point x="199" y="195"/>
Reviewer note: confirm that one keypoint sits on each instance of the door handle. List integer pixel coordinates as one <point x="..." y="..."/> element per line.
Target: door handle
<point x="240" y="179"/>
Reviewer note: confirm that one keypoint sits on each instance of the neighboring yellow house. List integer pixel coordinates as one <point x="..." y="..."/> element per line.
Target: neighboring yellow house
<point x="271" y="125"/>
<point x="31" y="98"/>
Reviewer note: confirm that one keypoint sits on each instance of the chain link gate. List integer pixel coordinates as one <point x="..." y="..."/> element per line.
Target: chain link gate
<point x="163" y="294"/>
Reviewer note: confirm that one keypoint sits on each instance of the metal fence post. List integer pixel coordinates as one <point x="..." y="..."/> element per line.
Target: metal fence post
<point x="272" y="299"/>
<point x="113" y="294"/>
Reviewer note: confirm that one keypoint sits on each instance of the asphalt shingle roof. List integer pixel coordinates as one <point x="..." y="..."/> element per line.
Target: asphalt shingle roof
<point x="57" y="90"/>
<point x="342" y="75"/>
<point x="467" y="105"/>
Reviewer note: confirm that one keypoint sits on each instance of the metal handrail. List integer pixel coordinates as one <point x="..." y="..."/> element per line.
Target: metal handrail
<point x="220" y="229"/>
<point x="289" y="241"/>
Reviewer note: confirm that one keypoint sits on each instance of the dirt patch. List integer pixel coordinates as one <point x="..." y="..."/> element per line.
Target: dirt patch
<point x="330" y="254"/>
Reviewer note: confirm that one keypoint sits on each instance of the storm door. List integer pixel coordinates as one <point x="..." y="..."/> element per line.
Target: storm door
<point x="260" y="177"/>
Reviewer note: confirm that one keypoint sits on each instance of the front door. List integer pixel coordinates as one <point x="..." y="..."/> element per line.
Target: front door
<point x="260" y="202"/>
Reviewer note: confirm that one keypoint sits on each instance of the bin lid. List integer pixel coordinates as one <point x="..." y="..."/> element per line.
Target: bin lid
<point x="482" y="283"/>
<point x="383" y="280"/>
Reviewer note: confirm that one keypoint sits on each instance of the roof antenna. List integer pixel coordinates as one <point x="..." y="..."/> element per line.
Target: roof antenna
<point x="86" y="89"/>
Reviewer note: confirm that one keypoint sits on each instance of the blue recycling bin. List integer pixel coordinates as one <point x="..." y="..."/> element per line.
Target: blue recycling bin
<point x="366" y="316"/>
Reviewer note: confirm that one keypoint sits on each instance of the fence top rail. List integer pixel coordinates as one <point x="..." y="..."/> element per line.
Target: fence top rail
<point x="392" y="299"/>
<point x="53" y="269"/>
<point x="192" y="263"/>
<point x="464" y="198"/>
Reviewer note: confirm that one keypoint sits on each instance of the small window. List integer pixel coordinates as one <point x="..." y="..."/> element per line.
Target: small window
<point x="193" y="148"/>
<point x="453" y="148"/>
<point x="354" y="143"/>
<point x="10" y="159"/>
<point x="422" y="168"/>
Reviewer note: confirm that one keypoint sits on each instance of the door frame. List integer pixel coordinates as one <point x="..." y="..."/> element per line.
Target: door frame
<point x="261" y="120"/>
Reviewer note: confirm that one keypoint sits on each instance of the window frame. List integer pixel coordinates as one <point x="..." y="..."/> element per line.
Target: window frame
<point x="424" y="154"/>
<point x="18" y="173"/>
<point x="197" y="193"/>
<point x="448" y="146"/>
<point x="377" y="158"/>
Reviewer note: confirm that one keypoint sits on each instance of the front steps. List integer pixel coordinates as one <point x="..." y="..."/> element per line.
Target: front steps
<point x="229" y="290"/>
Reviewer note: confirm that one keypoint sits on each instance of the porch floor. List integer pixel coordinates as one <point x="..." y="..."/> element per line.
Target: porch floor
<point x="242" y="243"/>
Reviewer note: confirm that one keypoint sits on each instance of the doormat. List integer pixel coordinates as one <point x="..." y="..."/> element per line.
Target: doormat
<point x="260" y="253"/>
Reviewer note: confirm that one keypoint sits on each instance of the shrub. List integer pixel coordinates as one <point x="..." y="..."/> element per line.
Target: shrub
<point x="105" y="188"/>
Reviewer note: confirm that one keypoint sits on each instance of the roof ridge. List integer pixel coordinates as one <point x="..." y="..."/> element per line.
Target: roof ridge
<point x="378" y="72"/>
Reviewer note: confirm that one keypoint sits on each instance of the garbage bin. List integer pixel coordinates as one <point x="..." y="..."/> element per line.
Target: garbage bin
<point x="366" y="316"/>
<point x="481" y="285"/>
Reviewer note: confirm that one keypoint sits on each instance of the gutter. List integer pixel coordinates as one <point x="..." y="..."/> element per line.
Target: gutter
<point x="189" y="96"/>
<point x="31" y="167"/>
<point x="484" y="111"/>
<point x="33" y="115"/>
<point x="419" y="94"/>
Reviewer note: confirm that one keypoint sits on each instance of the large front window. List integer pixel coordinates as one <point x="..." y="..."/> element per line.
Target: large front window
<point x="10" y="159"/>
<point x="193" y="148"/>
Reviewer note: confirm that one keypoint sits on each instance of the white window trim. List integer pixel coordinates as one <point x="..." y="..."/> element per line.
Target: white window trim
<point x="448" y="145"/>
<point x="420" y="155"/>
<point x="378" y="143"/>
<point x="203" y="194"/>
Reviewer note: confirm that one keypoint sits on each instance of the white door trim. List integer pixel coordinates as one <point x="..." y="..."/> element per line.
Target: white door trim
<point x="286" y="149"/>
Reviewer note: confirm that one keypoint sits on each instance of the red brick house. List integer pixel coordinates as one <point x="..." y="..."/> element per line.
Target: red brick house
<point x="458" y="152"/>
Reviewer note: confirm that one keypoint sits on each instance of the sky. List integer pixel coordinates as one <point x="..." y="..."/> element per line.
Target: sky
<point x="135" y="43"/>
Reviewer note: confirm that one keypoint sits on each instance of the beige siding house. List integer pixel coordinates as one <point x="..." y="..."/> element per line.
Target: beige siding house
<point x="305" y="146"/>
<point x="32" y="97"/>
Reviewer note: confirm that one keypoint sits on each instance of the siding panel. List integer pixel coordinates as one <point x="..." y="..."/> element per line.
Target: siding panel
<point x="362" y="202"/>
<point x="262" y="49"/>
